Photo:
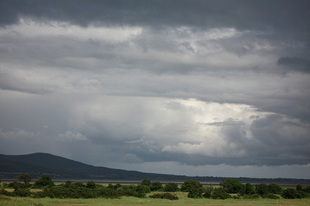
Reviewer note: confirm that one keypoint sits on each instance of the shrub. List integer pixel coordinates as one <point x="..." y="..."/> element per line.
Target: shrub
<point x="194" y="188"/>
<point x="25" y="177"/>
<point x="44" y="180"/>
<point x="220" y="193"/>
<point x="171" y="187"/>
<point x="141" y="190"/>
<point x="270" y="196"/>
<point x="261" y="189"/>
<point x="290" y="193"/>
<point x="298" y="187"/>
<point x="21" y="193"/>
<point x="114" y="186"/>
<point x="79" y="192"/>
<point x="274" y="188"/>
<point x="91" y="184"/>
<point x="128" y="190"/>
<point x="15" y="185"/>
<point x="208" y="191"/>
<point x="67" y="184"/>
<point x="146" y="182"/>
<point x="233" y="186"/>
<point x="307" y="189"/>
<point x="156" y="186"/>
<point x="4" y="192"/>
<point x="168" y="196"/>
<point x="249" y="189"/>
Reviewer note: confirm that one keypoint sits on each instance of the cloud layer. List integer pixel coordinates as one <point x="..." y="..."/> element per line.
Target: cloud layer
<point x="192" y="85"/>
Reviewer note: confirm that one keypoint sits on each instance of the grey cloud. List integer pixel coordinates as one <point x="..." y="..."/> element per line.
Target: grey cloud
<point x="295" y="64"/>
<point x="270" y="15"/>
<point x="83" y="92"/>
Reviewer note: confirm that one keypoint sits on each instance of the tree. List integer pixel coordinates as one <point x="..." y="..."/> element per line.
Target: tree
<point x="298" y="187"/>
<point x="171" y="187"/>
<point x="233" y="186"/>
<point x="25" y="177"/>
<point x="44" y="180"/>
<point x="91" y="184"/>
<point x="274" y="188"/>
<point x="67" y="184"/>
<point x="261" y="189"/>
<point x="146" y="182"/>
<point x="194" y="188"/>
<point x="156" y="186"/>
<point x="208" y="191"/>
<point x="290" y="193"/>
<point x="249" y="189"/>
<point x="220" y="193"/>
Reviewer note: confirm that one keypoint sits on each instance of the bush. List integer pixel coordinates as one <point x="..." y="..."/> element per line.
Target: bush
<point x="220" y="193"/>
<point x="307" y="189"/>
<point x="146" y="182"/>
<point x="274" y="188"/>
<point x="4" y="192"/>
<point x="233" y="186"/>
<point x="156" y="186"/>
<point x="67" y="184"/>
<point x="290" y="194"/>
<point x="80" y="192"/>
<point x="168" y="196"/>
<point x="194" y="188"/>
<point x="76" y="185"/>
<point x="25" y="177"/>
<point x="128" y="190"/>
<point x="249" y="189"/>
<point x="171" y="187"/>
<point x="298" y="187"/>
<point x="17" y="185"/>
<point x="114" y="186"/>
<point x="44" y="181"/>
<point x="261" y="189"/>
<point x="208" y="191"/>
<point x="270" y="196"/>
<point x="141" y="190"/>
<point x="91" y="184"/>
<point x="21" y="193"/>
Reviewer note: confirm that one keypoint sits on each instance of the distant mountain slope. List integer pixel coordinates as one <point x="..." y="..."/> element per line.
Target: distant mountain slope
<point x="61" y="168"/>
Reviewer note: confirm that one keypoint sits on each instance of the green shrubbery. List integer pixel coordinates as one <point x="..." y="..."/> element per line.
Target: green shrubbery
<point x="195" y="190"/>
<point x="168" y="196"/>
<point x="44" y="181"/>
<point x="220" y="193"/>
<point x="155" y="186"/>
<point x="233" y="186"/>
<point x="171" y="187"/>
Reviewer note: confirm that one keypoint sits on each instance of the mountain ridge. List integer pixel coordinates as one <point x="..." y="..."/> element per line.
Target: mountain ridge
<point x="62" y="168"/>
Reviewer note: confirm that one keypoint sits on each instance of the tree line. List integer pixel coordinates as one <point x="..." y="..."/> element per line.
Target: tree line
<point x="229" y="188"/>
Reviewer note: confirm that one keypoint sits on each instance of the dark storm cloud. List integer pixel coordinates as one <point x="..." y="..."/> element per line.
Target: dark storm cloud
<point x="191" y="82"/>
<point x="266" y="15"/>
<point x="295" y="64"/>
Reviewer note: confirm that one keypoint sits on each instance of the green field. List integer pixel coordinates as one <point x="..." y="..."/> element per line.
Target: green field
<point x="19" y="201"/>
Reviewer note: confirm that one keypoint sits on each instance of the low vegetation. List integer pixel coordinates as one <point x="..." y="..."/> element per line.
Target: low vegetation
<point x="229" y="189"/>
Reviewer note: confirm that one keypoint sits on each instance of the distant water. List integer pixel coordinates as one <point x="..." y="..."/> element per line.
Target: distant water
<point x="282" y="183"/>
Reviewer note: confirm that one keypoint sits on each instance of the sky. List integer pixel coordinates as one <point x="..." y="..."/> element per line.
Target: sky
<point x="187" y="87"/>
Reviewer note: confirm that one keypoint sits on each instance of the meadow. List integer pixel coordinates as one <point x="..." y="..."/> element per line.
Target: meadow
<point x="126" y="201"/>
<point x="183" y="198"/>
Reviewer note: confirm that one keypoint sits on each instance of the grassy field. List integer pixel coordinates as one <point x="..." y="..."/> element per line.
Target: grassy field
<point x="126" y="201"/>
<point x="183" y="200"/>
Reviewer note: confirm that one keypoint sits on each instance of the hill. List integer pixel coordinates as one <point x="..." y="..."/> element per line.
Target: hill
<point x="61" y="168"/>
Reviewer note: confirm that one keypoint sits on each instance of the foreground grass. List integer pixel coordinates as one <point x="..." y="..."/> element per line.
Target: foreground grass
<point x="19" y="201"/>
